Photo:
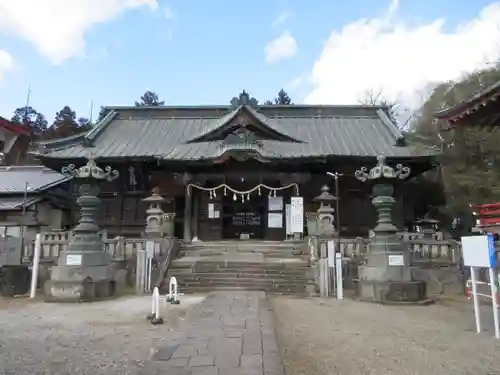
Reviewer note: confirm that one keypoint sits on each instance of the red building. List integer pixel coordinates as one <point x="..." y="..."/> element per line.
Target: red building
<point x="14" y="143"/>
<point x="480" y="110"/>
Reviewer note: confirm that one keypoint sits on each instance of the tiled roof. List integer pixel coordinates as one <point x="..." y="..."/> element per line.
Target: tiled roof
<point x="14" y="179"/>
<point x="167" y="133"/>
<point x="17" y="203"/>
<point x="471" y="104"/>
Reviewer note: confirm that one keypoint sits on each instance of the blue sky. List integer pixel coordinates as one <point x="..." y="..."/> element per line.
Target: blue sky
<point x="191" y="53"/>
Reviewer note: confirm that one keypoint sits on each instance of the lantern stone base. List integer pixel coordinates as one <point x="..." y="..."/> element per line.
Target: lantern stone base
<point x="382" y="281"/>
<point x="92" y="279"/>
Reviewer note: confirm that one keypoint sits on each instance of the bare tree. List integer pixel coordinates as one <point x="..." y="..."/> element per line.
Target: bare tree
<point x="394" y="108"/>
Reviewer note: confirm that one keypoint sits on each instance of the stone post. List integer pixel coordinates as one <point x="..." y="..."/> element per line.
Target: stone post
<point x="84" y="271"/>
<point x="387" y="276"/>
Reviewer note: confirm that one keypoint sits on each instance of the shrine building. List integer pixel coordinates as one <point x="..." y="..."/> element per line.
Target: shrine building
<point x="231" y="171"/>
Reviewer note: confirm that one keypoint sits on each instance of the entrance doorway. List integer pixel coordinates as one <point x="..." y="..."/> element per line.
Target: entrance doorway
<point x="243" y="220"/>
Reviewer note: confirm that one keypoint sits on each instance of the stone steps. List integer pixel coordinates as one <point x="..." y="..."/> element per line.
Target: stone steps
<point x="274" y="267"/>
<point x="207" y="289"/>
<point x="288" y="249"/>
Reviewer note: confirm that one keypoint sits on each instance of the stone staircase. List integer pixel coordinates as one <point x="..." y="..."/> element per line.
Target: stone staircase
<point x="274" y="267"/>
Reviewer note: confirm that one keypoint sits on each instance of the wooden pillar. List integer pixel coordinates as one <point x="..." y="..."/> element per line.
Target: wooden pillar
<point x="188" y="209"/>
<point x="196" y="211"/>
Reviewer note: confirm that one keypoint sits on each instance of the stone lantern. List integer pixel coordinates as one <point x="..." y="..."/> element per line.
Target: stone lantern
<point x="154" y="213"/>
<point x="84" y="271"/>
<point x="326" y="221"/>
<point x="428" y="226"/>
<point x="387" y="275"/>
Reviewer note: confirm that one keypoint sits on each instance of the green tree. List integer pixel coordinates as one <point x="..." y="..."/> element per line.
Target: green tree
<point x="31" y="118"/>
<point x="149" y="99"/>
<point x="282" y="99"/>
<point x="66" y="124"/>
<point x="470" y="160"/>
<point x="102" y="113"/>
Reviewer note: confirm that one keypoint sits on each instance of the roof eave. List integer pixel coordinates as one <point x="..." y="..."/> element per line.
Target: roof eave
<point x="463" y="108"/>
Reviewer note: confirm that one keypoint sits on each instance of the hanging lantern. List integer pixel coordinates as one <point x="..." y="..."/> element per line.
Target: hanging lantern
<point x="210" y="194"/>
<point x="248" y="196"/>
<point x="275" y="193"/>
<point x="225" y="190"/>
<point x="258" y="189"/>
<point x="234" y="197"/>
<point x="215" y="194"/>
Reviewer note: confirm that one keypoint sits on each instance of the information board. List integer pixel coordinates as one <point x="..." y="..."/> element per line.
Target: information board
<point x="479" y="251"/>
<point x="297" y="214"/>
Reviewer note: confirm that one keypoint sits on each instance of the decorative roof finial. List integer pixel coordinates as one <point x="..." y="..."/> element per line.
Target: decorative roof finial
<point x="244" y="98"/>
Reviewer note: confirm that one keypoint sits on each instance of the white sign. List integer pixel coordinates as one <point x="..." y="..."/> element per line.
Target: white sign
<point x="396" y="260"/>
<point x="297" y="214"/>
<point x="150" y="249"/>
<point x="288" y="220"/>
<point x="74" y="260"/>
<point x="478" y="251"/>
<point x="211" y="211"/>
<point x="275" y="204"/>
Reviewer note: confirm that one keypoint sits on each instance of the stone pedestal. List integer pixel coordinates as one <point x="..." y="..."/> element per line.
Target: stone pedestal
<point x="388" y="277"/>
<point x="93" y="279"/>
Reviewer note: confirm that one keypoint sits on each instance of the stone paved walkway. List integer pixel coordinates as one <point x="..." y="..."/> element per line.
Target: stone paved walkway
<point x="232" y="335"/>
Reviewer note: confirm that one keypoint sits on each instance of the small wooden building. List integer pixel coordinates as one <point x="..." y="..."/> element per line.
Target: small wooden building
<point x="187" y="152"/>
<point x="33" y="198"/>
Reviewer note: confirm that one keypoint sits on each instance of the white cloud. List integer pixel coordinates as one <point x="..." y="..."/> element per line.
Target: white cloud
<point x="6" y="63"/>
<point x="282" y="47"/>
<point x="57" y="27"/>
<point x="401" y="60"/>
<point x="281" y="19"/>
<point x="168" y="13"/>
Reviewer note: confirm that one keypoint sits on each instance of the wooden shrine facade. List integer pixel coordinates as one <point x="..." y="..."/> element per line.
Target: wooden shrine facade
<point x="187" y="152"/>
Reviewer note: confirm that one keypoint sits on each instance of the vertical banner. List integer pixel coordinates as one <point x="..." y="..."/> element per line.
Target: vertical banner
<point x="297" y="214"/>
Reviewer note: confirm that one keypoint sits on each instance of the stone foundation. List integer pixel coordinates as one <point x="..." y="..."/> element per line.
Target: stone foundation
<point x="83" y="282"/>
<point x="392" y="291"/>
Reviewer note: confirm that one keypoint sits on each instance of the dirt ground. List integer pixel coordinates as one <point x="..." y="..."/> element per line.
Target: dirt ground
<point x="106" y="337"/>
<point x="327" y="337"/>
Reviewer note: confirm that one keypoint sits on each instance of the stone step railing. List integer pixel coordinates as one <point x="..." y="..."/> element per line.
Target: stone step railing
<point x="119" y="248"/>
<point x="422" y="249"/>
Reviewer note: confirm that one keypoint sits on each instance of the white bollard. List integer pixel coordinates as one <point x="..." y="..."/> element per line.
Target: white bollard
<point x="156" y="303"/>
<point x="36" y="265"/>
<point x="173" y="292"/>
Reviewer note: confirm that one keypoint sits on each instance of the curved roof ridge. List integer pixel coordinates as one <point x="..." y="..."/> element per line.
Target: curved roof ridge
<point x="219" y="123"/>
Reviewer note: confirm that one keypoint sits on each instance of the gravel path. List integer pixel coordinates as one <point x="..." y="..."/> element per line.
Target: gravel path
<point x="108" y="337"/>
<point x="327" y="337"/>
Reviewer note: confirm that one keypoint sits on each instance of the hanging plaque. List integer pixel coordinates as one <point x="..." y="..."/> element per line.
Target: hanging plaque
<point x="297" y="214"/>
<point x="275" y="204"/>
<point x="211" y="211"/>
<point x="275" y="220"/>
